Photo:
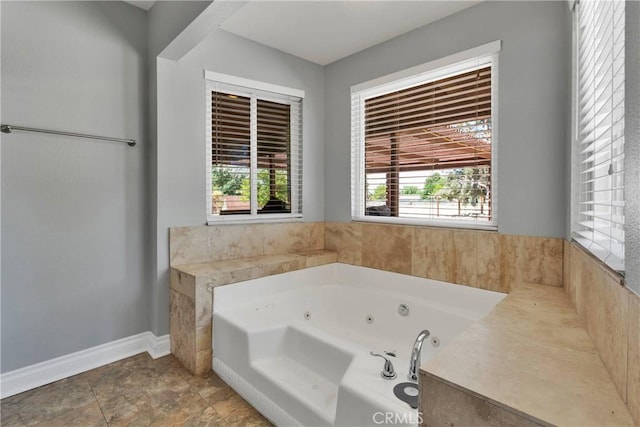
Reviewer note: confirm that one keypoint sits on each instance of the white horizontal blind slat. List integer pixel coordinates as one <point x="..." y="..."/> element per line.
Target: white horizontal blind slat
<point x="598" y="214"/>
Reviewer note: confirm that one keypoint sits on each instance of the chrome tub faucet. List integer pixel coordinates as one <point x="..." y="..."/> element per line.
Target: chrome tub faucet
<point x="414" y="364"/>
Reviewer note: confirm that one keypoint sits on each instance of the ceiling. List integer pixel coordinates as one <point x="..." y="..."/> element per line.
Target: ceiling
<point x="142" y="4"/>
<point x="326" y="31"/>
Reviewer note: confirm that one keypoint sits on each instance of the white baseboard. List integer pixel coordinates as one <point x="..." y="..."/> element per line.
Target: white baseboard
<point x="46" y="372"/>
<point x="158" y="346"/>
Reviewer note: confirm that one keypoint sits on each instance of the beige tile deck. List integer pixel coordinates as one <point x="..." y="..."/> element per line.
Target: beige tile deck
<point x="532" y="355"/>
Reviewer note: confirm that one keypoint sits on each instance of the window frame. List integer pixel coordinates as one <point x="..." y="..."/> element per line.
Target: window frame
<point x="608" y="257"/>
<point x="420" y="74"/>
<point x="254" y="90"/>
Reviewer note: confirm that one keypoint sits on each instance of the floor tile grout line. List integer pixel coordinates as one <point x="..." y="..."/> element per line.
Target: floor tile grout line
<point x="95" y="396"/>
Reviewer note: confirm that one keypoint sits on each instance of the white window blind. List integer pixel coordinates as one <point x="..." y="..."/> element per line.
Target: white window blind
<point x="422" y="147"/>
<point x="254" y="142"/>
<point x="598" y="149"/>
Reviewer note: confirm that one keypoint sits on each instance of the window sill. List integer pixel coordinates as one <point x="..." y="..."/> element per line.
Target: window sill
<point x="247" y="219"/>
<point x="426" y="223"/>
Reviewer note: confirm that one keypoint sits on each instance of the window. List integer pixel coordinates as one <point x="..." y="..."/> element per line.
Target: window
<point x="423" y="143"/>
<point x="254" y="142"/>
<point x="598" y="131"/>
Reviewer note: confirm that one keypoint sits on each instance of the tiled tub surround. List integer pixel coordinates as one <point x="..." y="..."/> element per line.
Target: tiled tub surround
<point x="207" y="256"/>
<point x="530" y="362"/>
<point x="481" y="259"/>
<point x="611" y="315"/>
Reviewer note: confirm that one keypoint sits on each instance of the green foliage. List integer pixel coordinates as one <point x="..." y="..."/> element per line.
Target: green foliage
<point x="477" y="184"/>
<point x="410" y="190"/>
<point x="433" y="184"/>
<point x="467" y="186"/>
<point x="282" y="189"/>
<point x="226" y="180"/>
<point x="454" y="186"/>
<point x="380" y="193"/>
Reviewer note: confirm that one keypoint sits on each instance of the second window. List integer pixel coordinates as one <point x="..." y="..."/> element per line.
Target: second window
<point x="423" y="147"/>
<point x="255" y="153"/>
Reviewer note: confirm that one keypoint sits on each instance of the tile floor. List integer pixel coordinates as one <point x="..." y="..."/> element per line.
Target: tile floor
<point x="138" y="391"/>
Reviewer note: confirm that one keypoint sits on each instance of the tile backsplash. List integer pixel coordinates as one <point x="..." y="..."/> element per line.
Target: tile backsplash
<point x="482" y="259"/>
<point x="192" y="245"/>
<point x="611" y="315"/>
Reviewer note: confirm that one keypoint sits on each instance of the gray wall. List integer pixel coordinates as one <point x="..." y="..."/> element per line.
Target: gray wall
<point x="533" y="118"/>
<point x="73" y="211"/>
<point x="181" y="103"/>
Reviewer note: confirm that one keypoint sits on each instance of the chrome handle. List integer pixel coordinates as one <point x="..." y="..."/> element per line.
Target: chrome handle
<point x="388" y="373"/>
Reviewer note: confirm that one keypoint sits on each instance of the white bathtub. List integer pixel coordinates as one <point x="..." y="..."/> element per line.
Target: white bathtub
<point x="296" y="345"/>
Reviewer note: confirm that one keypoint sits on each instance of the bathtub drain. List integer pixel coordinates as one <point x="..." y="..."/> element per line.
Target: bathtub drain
<point x="307" y="315"/>
<point x="369" y="318"/>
